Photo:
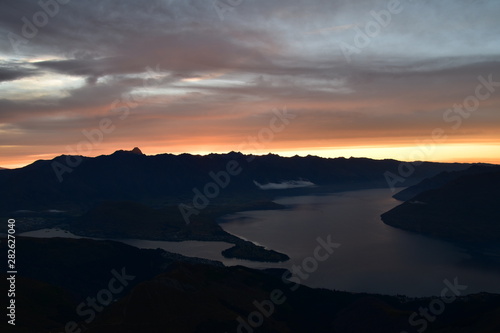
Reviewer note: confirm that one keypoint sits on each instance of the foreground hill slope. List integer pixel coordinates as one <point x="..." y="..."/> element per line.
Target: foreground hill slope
<point x="465" y="209"/>
<point x="442" y="179"/>
<point x="162" y="292"/>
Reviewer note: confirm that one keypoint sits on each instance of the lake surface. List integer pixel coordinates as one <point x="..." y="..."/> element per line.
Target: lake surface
<point x="372" y="256"/>
<point x="207" y="250"/>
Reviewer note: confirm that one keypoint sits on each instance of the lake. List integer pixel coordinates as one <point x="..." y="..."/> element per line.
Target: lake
<point x="372" y="257"/>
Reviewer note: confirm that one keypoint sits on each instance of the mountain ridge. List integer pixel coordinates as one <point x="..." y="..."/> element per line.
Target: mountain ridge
<point x="464" y="209"/>
<point x="442" y="179"/>
<point x="124" y="175"/>
<point x="182" y="195"/>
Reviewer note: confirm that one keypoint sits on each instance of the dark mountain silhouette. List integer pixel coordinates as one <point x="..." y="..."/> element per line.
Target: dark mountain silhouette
<point x="442" y="179"/>
<point x="136" y="151"/>
<point x="130" y="195"/>
<point x="464" y="209"/>
<point x="165" y="292"/>
<point x="77" y="183"/>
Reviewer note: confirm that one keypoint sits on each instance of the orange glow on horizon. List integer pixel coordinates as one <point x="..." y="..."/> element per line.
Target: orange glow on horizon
<point x="459" y="153"/>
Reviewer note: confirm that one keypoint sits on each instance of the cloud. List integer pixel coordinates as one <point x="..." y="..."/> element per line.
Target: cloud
<point x="13" y="72"/>
<point x="216" y="81"/>
<point x="333" y="29"/>
<point x="284" y="185"/>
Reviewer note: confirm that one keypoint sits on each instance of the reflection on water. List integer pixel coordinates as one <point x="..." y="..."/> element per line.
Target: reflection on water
<point x="373" y="257"/>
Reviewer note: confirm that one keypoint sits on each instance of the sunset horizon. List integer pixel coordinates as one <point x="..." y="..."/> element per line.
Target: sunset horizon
<point x="398" y="153"/>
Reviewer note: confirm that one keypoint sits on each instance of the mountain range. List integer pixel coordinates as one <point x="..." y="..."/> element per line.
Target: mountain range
<point x="179" y="197"/>
<point x="77" y="183"/>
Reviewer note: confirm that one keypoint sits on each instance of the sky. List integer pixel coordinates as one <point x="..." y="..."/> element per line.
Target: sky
<point x="408" y="80"/>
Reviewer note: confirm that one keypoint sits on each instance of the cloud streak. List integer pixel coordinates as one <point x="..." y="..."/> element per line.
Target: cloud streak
<point x="284" y="185"/>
